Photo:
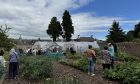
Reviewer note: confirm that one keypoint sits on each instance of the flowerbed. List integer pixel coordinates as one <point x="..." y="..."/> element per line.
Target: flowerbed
<point x="123" y="56"/>
<point x="70" y="80"/>
<point x="80" y="64"/>
<point x="127" y="73"/>
<point x="36" y="67"/>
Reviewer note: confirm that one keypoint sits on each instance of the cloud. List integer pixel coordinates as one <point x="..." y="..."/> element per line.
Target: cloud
<point x="30" y="18"/>
<point x="87" y="22"/>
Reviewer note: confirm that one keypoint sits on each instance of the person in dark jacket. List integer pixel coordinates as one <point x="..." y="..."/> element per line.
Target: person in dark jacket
<point x="13" y="64"/>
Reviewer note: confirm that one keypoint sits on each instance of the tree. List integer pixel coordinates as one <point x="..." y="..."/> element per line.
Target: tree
<point x="4" y="30"/>
<point x="137" y="30"/>
<point x="67" y="25"/>
<point x="116" y="34"/>
<point x="139" y="35"/>
<point x="5" y="42"/>
<point x="54" y="28"/>
<point x="130" y="35"/>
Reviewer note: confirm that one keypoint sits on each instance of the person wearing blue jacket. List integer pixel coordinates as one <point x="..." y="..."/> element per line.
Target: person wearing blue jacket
<point x="13" y="64"/>
<point x="112" y="53"/>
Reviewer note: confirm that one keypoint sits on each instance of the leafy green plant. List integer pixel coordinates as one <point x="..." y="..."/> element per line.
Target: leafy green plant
<point x="1" y="70"/>
<point x="6" y="56"/>
<point x="70" y="80"/>
<point x="54" y="56"/>
<point x="36" y="67"/>
<point x="80" y="64"/>
<point x="128" y="73"/>
<point x="83" y="63"/>
<point x="72" y="56"/>
<point x="123" y="56"/>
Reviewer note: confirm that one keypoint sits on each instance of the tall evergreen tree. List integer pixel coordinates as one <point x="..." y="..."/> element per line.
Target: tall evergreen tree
<point x="116" y="34"/>
<point x="137" y="30"/>
<point x="67" y="25"/>
<point x="54" y="28"/>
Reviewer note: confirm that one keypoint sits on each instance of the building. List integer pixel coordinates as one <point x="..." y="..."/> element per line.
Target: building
<point x="86" y="39"/>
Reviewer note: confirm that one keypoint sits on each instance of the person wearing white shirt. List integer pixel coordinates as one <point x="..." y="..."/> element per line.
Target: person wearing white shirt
<point x="2" y="60"/>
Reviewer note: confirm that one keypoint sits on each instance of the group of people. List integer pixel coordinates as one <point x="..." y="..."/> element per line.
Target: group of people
<point x="107" y="57"/>
<point x="13" y="62"/>
<point x="34" y="51"/>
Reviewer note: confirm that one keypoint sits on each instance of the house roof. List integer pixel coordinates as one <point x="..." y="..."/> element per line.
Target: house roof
<point x="88" y="39"/>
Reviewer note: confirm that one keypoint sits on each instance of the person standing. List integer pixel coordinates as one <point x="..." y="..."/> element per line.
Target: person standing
<point x="91" y="55"/>
<point x="64" y="54"/>
<point x="13" y="64"/>
<point x="2" y="60"/>
<point x="72" y="50"/>
<point x="115" y="48"/>
<point x="106" y="58"/>
<point x="34" y="52"/>
<point x="111" y="51"/>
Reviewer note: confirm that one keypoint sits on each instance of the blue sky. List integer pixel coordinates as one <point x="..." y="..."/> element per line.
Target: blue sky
<point x="30" y="18"/>
<point x="127" y="9"/>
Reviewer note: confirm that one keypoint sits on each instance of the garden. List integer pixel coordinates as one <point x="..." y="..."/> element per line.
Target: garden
<point x="38" y="70"/>
<point x="54" y="68"/>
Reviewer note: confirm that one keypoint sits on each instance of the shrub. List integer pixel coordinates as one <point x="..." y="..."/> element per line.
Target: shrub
<point x="36" y="67"/>
<point x="136" y="40"/>
<point x="128" y="73"/>
<point x="123" y="56"/>
<point x="1" y="70"/>
<point x="81" y="64"/>
<point x="6" y="56"/>
<point x="70" y="80"/>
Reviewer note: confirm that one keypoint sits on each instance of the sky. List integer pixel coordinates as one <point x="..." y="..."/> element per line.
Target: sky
<point x="30" y="18"/>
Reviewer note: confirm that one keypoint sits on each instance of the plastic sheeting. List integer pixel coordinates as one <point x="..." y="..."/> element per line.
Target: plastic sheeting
<point x="45" y="45"/>
<point x="78" y="46"/>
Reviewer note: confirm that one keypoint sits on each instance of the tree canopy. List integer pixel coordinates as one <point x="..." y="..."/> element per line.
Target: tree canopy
<point x="67" y="25"/>
<point x="5" y="42"/>
<point x="137" y="30"/>
<point x="130" y="35"/>
<point x="54" y="28"/>
<point x="116" y="34"/>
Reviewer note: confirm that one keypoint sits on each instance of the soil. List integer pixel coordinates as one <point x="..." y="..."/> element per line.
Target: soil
<point x="64" y="71"/>
<point x="67" y="71"/>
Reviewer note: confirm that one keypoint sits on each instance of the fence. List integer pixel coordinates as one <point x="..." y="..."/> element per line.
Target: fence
<point x="130" y="47"/>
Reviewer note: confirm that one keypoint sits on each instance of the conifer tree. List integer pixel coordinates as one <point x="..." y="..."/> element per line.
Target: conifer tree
<point x="54" y="28"/>
<point x="116" y="34"/>
<point x="67" y="25"/>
